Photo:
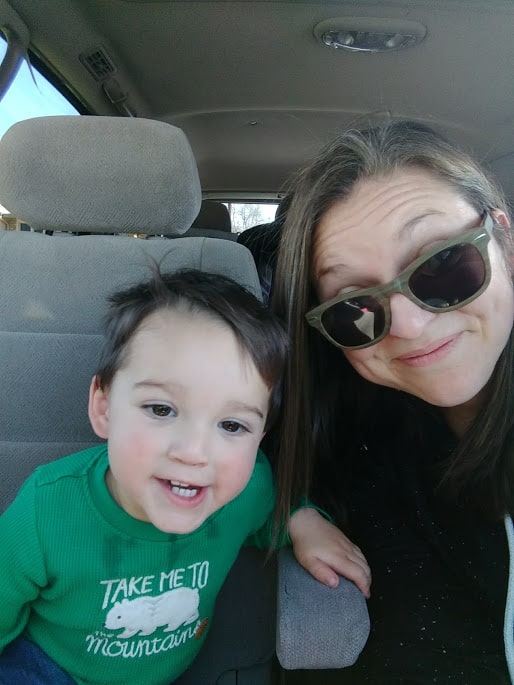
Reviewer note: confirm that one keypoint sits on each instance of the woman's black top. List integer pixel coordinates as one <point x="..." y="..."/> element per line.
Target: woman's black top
<point x="439" y="570"/>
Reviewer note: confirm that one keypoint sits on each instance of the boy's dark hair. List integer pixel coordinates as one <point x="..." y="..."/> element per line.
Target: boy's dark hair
<point x="258" y="332"/>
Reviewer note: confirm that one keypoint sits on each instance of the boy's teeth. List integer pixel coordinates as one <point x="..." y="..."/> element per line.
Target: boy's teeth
<point x="183" y="490"/>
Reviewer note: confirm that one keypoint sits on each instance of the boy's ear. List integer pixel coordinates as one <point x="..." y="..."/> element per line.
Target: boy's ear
<point x="98" y="409"/>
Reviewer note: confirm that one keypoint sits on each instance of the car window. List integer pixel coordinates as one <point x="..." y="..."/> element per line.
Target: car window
<point x="30" y="95"/>
<point x="244" y="215"/>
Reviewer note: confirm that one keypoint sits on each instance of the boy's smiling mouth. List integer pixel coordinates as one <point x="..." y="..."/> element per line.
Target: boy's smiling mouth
<point x="181" y="493"/>
<point x="183" y="489"/>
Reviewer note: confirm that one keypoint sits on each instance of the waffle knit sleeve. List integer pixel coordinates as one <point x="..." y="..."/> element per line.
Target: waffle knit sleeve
<point x="22" y="571"/>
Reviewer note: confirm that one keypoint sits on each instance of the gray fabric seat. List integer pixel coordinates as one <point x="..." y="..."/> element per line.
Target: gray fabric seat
<point x="111" y="175"/>
<point x="213" y="221"/>
<point x="213" y="215"/>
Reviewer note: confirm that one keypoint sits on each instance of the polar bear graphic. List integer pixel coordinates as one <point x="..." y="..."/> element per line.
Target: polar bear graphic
<point x="144" y="615"/>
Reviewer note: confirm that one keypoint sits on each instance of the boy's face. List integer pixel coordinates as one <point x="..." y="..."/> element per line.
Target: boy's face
<point x="184" y="417"/>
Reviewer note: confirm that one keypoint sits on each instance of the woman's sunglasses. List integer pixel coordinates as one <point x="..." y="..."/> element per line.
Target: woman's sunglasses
<point x="446" y="278"/>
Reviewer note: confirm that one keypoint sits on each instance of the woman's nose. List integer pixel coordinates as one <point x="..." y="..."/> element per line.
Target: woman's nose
<point x="408" y="320"/>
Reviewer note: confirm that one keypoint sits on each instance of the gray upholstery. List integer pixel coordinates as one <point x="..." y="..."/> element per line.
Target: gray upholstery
<point x="208" y="233"/>
<point x="103" y="175"/>
<point x="213" y="214"/>
<point x="53" y="295"/>
<point x="299" y="595"/>
<point x="213" y="221"/>
<point x="52" y="298"/>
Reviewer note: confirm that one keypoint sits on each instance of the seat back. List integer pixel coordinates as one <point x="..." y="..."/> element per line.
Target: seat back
<point x="213" y="221"/>
<point x="213" y="215"/>
<point x="54" y="292"/>
<point x="263" y="242"/>
<point x="101" y="176"/>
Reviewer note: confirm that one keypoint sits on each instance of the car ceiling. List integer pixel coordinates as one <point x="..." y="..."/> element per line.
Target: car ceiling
<point x="258" y="94"/>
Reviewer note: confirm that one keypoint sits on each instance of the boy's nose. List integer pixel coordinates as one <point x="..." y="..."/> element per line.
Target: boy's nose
<point x="190" y="457"/>
<point x="190" y="448"/>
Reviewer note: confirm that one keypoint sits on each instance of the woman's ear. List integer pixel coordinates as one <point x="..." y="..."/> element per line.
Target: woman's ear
<point x="98" y="409"/>
<point x="501" y="219"/>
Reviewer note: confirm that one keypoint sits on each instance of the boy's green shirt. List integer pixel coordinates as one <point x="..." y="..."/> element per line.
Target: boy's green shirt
<point x="109" y="598"/>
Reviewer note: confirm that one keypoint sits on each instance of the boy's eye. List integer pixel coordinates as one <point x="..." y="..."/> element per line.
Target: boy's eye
<point x="232" y="426"/>
<point x="160" y="410"/>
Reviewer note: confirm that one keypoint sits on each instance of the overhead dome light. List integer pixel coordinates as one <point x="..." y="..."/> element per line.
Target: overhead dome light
<point x="365" y="41"/>
<point x="365" y="34"/>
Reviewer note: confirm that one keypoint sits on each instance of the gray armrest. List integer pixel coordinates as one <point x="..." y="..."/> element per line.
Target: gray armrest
<point x="317" y="627"/>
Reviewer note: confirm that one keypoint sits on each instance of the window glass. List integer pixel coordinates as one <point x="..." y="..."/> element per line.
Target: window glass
<point x="30" y="95"/>
<point x="247" y="214"/>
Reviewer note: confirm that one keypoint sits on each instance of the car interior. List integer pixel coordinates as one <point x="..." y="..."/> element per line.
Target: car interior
<point x="179" y="114"/>
<point x="52" y="329"/>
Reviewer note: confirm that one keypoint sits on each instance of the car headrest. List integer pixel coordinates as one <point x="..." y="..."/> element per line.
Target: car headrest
<point x="213" y="215"/>
<point x="99" y="175"/>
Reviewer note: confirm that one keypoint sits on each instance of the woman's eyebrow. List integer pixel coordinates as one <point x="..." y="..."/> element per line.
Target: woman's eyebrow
<point x="405" y="234"/>
<point x="333" y="269"/>
<point x="413" y="224"/>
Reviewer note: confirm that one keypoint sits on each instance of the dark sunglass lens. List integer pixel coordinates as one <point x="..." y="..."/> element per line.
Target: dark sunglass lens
<point x="354" y="322"/>
<point x="449" y="277"/>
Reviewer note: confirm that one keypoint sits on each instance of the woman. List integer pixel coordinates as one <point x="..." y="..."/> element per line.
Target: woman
<point x="399" y="400"/>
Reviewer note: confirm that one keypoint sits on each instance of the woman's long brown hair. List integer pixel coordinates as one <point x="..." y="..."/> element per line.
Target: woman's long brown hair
<point x="317" y="375"/>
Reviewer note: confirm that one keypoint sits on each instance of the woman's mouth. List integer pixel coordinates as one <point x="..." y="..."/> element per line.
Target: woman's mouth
<point x="430" y="354"/>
